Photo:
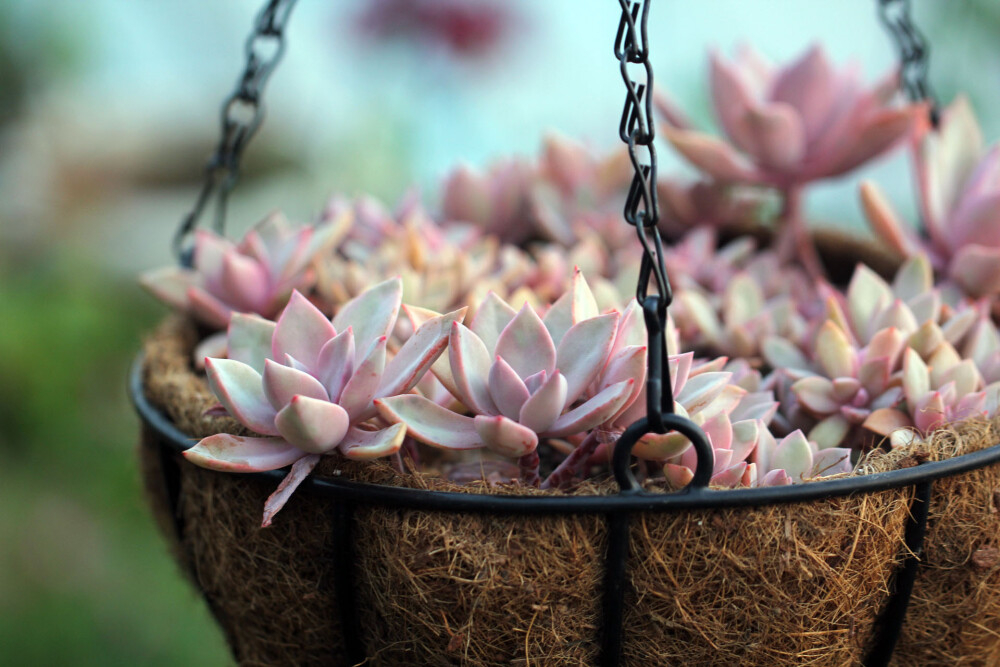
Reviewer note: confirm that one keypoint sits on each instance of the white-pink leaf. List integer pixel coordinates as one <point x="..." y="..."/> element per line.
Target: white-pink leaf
<point x="371" y="315"/>
<point x="594" y="412"/>
<point x="526" y="345"/>
<point x="359" y="391"/>
<point x="505" y="436"/>
<point x="315" y="426"/>
<point x="233" y="453"/>
<point x="507" y="389"/>
<point x="240" y="389"/>
<point x="583" y="352"/>
<point x="298" y="474"/>
<point x="418" y="354"/>
<point x="361" y="445"/>
<point x="430" y="423"/>
<point x="301" y="331"/>
<point x="545" y="405"/>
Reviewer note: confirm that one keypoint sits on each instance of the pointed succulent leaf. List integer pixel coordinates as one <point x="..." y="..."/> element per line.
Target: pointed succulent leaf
<point x="702" y="389"/>
<point x="240" y="389"/>
<point x="359" y="391"/>
<point x="914" y="278"/>
<point x="816" y="394"/>
<point x="281" y="383"/>
<point x="678" y="476"/>
<point x="886" y="420"/>
<point x="359" y="445"/>
<point x="492" y="317"/>
<point x="867" y="295"/>
<point x="745" y="436"/>
<point x="245" y="283"/>
<point x="233" y="453"/>
<point x="831" y="461"/>
<point x="594" y="412"/>
<point x="834" y="352"/>
<point x="926" y="339"/>
<point x="897" y="315"/>
<point x="301" y="331"/>
<point x="507" y="389"/>
<point x="929" y="412"/>
<point x="249" y="340"/>
<point x="418" y="354"/>
<point x="298" y="474"/>
<point x="470" y="368"/>
<point x="782" y="353"/>
<point x="505" y="436"/>
<point x="335" y="364"/>
<point x="371" y="315"/>
<point x="830" y="432"/>
<point x="208" y="309"/>
<point x="916" y="377"/>
<point x="526" y="345"/>
<point x="429" y="423"/>
<point x="545" y="405"/>
<point x="794" y="455"/>
<point x="583" y="352"/>
<point x="776" y="478"/>
<point x="315" y="426"/>
<point x="170" y="285"/>
<point x="660" y="447"/>
<point x="743" y="300"/>
<point x="730" y="477"/>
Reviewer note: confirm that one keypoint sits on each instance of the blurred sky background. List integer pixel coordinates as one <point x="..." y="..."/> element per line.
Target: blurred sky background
<point x="108" y="110"/>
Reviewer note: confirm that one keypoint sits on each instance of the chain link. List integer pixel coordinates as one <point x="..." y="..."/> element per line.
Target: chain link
<point x="241" y="117"/>
<point x="637" y="131"/>
<point x="914" y="53"/>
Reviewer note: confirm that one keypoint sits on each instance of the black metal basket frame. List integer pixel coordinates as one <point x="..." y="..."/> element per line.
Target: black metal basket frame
<point x="631" y="499"/>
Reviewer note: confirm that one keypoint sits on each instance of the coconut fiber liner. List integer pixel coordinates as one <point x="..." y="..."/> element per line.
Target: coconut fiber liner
<point x="797" y="584"/>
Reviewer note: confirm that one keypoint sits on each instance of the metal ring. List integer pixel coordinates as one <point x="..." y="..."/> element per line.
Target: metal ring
<point x="622" y="459"/>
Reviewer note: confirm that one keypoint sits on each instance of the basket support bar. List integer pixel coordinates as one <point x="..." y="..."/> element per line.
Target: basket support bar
<point x="343" y="582"/>
<point x="892" y="619"/>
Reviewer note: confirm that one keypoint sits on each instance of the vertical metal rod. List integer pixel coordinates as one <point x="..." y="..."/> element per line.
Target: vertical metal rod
<point x="614" y="589"/>
<point x="343" y="582"/>
<point x="891" y="623"/>
<point x="171" y="472"/>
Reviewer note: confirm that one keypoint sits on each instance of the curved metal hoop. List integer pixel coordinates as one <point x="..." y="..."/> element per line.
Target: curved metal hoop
<point x="622" y="460"/>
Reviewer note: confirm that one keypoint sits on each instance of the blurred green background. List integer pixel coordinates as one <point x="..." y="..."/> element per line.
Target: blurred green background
<point x="107" y="112"/>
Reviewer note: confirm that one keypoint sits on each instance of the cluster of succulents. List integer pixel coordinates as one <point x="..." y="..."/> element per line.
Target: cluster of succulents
<point x="521" y="353"/>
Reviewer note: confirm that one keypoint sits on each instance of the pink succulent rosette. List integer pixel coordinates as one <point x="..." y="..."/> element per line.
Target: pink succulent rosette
<point x="959" y="184"/>
<point x="255" y="275"/>
<point x="790" y="125"/>
<point x="521" y="377"/>
<point x="307" y="385"/>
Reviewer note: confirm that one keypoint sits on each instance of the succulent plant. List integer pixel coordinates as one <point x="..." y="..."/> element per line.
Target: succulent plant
<point x="521" y="377"/>
<point x="947" y="390"/>
<point x="256" y="275"/>
<point x="519" y="201"/>
<point x="795" y="459"/>
<point x="790" y="126"/>
<point x="307" y="385"/>
<point x="959" y="185"/>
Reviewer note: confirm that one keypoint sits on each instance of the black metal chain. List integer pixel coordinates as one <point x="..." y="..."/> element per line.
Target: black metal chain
<point x="636" y="129"/>
<point x="914" y="53"/>
<point x="242" y="115"/>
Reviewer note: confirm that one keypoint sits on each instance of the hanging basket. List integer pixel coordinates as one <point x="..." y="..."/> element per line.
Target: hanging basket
<point x="367" y="563"/>
<point x="898" y="561"/>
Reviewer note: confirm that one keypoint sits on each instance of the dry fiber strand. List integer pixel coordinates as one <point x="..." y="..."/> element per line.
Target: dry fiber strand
<point x="954" y="614"/>
<point x="786" y="585"/>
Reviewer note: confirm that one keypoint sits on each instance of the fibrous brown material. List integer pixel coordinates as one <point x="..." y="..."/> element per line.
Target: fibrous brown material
<point x="784" y="585"/>
<point x="954" y="615"/>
